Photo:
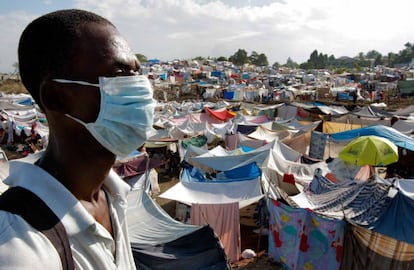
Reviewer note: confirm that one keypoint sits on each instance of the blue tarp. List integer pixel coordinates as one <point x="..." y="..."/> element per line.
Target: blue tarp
<point x="154" y="61"/>
<point x="390" y="133"/>
<point x="228" y="94"/>
<point x="164" y="76"/>
<point x="218" y="74"/>
<point x="344" y="96"/>
<point x="28" y="101"/>
<point x="397" y="221"/>
<point x="247" y="172"/>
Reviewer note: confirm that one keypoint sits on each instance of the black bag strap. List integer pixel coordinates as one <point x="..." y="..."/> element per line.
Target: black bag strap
<point x="22" y="202"/>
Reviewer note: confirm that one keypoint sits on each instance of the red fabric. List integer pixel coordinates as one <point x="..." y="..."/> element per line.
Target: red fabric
<point x="331" y="177"/>
<point x="289" y="178"/>
<point x="137" y="166"/>
<point x="223" y="115"/>
<point x="302" y="113"/>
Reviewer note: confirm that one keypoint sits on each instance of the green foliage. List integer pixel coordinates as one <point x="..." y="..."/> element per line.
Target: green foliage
<point x="317" y="61"/>
<point x="221" y="59"/>
<point x="291" y="64"/>
<point x="141" y="58"/>
<point x="404" y="56"/>
<point x="258" y="59"/>
<point x="239" y="58"/>
<point x="199" y="58"/>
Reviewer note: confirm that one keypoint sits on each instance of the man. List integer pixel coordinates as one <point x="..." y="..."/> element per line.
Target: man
<point x="84" y="76"/>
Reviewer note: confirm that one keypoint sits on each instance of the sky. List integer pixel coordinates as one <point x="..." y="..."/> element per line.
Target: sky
<point x="185" y="29"/>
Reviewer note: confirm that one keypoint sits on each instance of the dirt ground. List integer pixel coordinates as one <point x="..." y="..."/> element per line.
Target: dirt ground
<point x="249" y="239"/>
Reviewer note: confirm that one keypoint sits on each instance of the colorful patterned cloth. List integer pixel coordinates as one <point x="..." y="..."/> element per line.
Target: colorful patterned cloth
<point x="361" y="203"/>
<point x="301" y="239"/>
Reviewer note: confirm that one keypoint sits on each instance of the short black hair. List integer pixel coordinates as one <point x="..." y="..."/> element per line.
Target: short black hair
<point x="48" y="43"/>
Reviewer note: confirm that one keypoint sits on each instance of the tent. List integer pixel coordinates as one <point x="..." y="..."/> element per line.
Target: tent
<point x="221" y="114"/>
<point x="240" y="185"/>
<point x="160" y="242"/>
<point x="216" y="201"/>
<point x="390" y="133"/>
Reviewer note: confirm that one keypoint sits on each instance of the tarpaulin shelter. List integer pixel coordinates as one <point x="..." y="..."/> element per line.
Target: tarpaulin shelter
<point x="224" y="160"/>
<point x="371" y="112"/>
<point x="390" y="133"/>
<point x="216" y="201"/>
<point x="240" y="185"/>
<point x="160" y="242"/>
<point x="221" y="114"/>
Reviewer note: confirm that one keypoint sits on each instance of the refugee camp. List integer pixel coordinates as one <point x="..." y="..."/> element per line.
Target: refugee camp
<point x="318" y="175"/>
<point x="170" y="135"/>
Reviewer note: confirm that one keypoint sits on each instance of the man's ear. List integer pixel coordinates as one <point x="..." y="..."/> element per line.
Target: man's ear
<point x="52" y="97"/>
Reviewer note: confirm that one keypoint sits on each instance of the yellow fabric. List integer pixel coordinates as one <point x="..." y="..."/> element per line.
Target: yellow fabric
<point x="332" y="127"/>
<point x="370" y="150"/>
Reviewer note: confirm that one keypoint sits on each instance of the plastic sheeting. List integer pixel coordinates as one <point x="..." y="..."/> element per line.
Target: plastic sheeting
<point x="261" y="133"/>
<point x="396" y="221"/>
<point x="189" y="191"/>
<point x="233" y="159"/>
<point x="149" y="224"/>
<point x="160" y="242"/>
<point x="390" y="133"/>
<point x="221" y="114"/>
<point x="197" y="250"/>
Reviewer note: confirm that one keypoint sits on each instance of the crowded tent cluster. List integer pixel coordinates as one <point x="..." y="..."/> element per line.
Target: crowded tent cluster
<point x="82" y="157"/>
<point x="322" y="196"/>
<point x="325" y="192"/>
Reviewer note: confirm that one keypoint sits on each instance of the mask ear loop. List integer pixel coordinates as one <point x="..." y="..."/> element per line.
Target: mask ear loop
<point x="77" y="82"/>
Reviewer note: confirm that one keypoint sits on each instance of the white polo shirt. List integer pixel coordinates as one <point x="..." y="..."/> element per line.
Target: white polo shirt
<point x="22" y="247"/>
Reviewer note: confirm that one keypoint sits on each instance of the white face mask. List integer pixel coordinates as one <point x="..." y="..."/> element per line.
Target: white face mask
<point x="126" y="113"/>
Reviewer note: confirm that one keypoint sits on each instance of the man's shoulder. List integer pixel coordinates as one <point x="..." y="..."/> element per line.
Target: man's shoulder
<point x="7" y="222"/>
<point x="12" y="225"/>
<point x="23" y="246"/>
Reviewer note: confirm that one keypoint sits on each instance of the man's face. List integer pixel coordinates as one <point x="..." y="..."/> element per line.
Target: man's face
<point x="102" y="51"/>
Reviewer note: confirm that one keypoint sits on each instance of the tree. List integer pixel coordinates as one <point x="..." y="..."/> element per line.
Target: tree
<point x="239" y="58"/>
<point x="392" y="59"/>
<point x="141" y="58"/>
<point x="254" y="56"/>
<point x="374" y="57"/>
<point x="276" y="65"/>
<point x="313" y="59"/>
<point x="291" y="64"/>
<point x="258" y="59"/>
<point x="222" y="58"/>
<point x="262" y="60"/>
<point x="406" y="54"/>
<point x="16" y="70"/>
<point x="316" y="60"/>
